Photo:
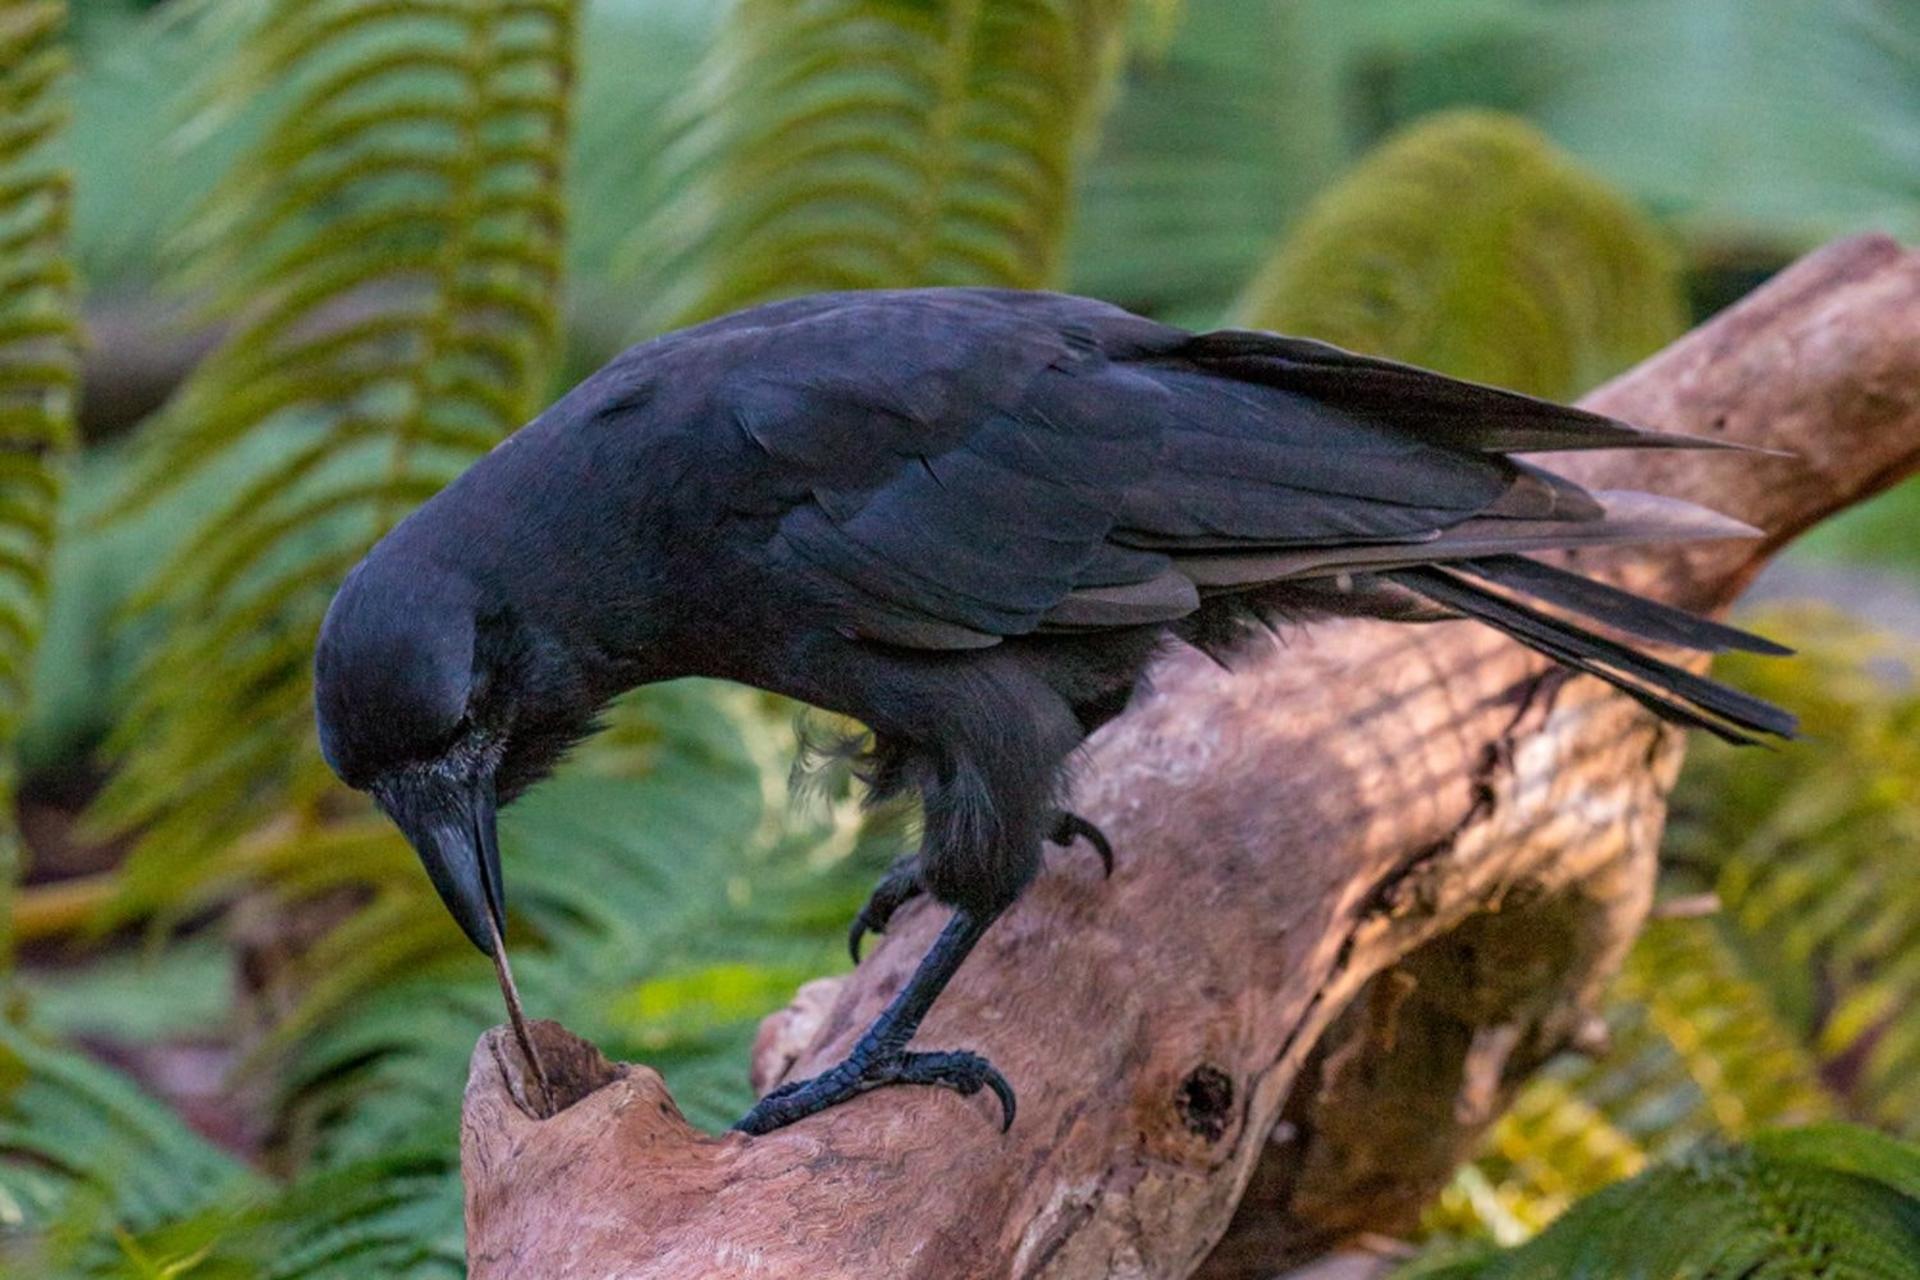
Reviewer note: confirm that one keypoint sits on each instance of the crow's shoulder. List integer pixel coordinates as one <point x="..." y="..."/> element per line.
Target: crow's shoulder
<point x="935" y="357"/>
<point x="941" y="463"/>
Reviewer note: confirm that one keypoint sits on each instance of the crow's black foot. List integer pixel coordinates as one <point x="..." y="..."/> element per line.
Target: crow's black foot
<point x="880" y="1057"/>
<point x="901" y="884"/>
<point x="964" y="1073"/>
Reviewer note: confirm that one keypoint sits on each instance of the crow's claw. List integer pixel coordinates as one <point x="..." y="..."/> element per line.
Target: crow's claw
<point x="1070" y="826"/>
<point x="963" y="1072"/>
<point x="901" y="884"/>
<point x="898" y="887"/>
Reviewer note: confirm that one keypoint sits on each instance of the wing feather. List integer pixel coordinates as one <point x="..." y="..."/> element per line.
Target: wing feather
<point x="959" y="466"/>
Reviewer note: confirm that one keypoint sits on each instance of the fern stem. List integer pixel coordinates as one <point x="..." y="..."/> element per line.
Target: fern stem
<point x="39" y="365"/>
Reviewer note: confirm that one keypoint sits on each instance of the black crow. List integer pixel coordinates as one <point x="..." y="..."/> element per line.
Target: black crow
<point x="970" y="519"/>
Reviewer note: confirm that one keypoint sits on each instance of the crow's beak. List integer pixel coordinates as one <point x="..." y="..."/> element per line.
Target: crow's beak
<point x="450" y="824"/>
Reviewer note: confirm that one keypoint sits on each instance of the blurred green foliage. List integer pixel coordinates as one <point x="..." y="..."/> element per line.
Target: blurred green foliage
<point x="1469" y="244"/>
<point x="1790" y="1002"/>
<point x="386" y="255"/>
<point x="412" y="222"/>
<point x="1823" y="1203"/>
<point x="100" y="1172"/>
<point x="39" y="361"/>
<point x="848" y="144"/>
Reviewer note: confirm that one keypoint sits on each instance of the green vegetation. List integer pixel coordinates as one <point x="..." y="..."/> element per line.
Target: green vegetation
<point x="1469" y="244"/>
<point x="387" y="258"/>
<point x="410" y="224"/>
<point x="1828" y="1202"/>
<point x="1790" y="1003"/>
<point x="865" y="143"/>
<point x="39" y="358"/>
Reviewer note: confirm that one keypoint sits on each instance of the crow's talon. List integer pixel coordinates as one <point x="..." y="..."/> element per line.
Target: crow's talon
<point x="1070" y="826"/>
<point x="901" y="884"/>
<point x="963" y="1072"/>
<point x="898" y="887"/>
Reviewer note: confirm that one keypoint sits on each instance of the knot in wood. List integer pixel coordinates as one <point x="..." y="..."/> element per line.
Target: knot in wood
<point x="1205" y="1101"/>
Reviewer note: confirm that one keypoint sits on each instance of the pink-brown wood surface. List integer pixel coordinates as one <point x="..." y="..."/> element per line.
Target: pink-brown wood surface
<point x="1366" y="883"/>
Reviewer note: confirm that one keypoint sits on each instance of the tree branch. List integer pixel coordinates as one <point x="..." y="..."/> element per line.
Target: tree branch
<point x="1367" y="883"/>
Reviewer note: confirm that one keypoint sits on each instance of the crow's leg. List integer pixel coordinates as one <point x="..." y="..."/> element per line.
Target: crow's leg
<point x="901" y="883"/>
<point x="984" y="740"/>
<point x="881" y="1057"/>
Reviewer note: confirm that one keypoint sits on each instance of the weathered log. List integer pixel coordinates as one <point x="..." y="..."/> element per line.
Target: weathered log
<point x="1367" y="882"/>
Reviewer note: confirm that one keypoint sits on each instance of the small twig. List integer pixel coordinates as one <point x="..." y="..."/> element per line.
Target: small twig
<point x="518" y="1017"/>
<point x="1383" y="1246"/>
<point x="62" y="907"/>
<point x="1691" y="906"/>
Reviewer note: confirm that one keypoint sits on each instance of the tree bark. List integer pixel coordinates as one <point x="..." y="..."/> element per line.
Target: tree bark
<point x="1367" y="882"/>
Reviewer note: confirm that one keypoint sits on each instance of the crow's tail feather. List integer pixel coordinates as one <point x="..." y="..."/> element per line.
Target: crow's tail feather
<point x="1670" y="692"/>
<point x="1621" y="610"/>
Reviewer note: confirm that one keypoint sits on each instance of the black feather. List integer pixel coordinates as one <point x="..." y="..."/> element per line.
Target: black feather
<point x="1468" y="415"/>
<point x="1673" y="693"/>
<point x="1622" y="610"/>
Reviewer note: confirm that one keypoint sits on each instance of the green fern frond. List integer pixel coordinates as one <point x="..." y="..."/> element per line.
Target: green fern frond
<point x="1550" y="1148"/>
<point x="387" y="257"/>
<point x="85" y="1157"/>
<point x="1469" y="244"/>
<point x="845" y="144"/>
<point x="39" y="360"/>
<point x="1828" y="1203"/>
<point x="1699" y="1051"/>
<point x="1813" y="852"/>
<point x="395" y="1216"/>
<point x="1743" y="1056"/>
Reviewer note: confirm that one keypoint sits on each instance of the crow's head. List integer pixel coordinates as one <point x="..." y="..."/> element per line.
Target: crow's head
<point x="416" y="696"/>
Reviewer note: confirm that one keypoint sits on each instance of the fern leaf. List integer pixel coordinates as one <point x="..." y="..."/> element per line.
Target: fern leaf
<point x="1823" y="1204"/>
<point x="387" y="257"/>
<point x="39" y="361"/>
<point x="396" y="1216"/>
<point x="1749" y="1066"/>
<point x="1812" y="853"/>
<point x="84" y="1155"/>
<point x="847" y="144"/>
<point x="1469" y="244"/>
<point x="1700" y="1052"/>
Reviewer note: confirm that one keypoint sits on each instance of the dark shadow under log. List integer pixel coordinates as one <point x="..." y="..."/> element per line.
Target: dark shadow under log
<point x="1366" y="884"/>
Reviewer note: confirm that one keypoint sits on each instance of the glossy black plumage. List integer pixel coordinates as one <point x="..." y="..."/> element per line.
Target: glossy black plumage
<point x="969" y="518"/>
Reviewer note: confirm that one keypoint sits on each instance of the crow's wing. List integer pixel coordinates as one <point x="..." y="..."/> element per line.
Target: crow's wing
<point x="958" y="466"/>
<point x="922" y="486"/>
